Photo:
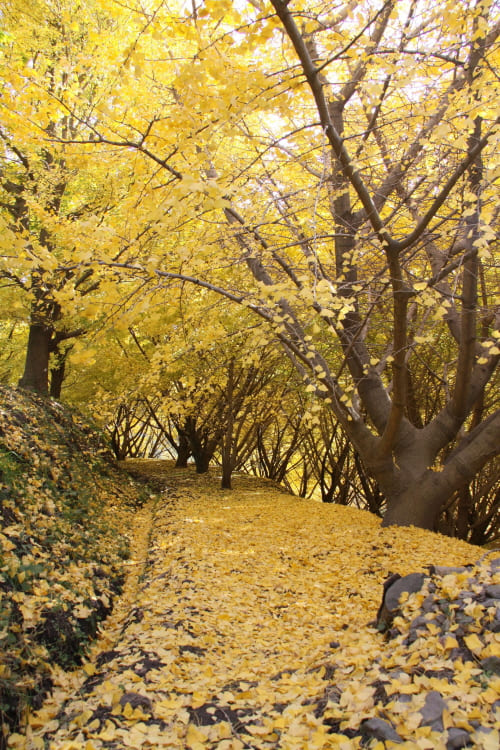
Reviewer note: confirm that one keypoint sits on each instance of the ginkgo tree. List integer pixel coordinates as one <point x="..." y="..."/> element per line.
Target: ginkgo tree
<point x="58" y="208"/>
<point x="334" y="171"/>
<point x="421" y="215"/>
<point x="360" y="215"/>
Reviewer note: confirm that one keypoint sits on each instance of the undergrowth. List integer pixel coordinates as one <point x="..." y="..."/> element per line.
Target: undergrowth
<point x="65" y="520"/>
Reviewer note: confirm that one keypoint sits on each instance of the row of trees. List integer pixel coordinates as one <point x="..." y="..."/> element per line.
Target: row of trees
<point x="262" y="179"/>
<point x="274" y="430"/>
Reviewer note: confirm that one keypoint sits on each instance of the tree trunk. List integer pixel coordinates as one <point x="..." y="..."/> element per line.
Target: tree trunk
<point x="202" y="461"/>
<point x="227" y="455"/>
<point x="201" y="444"/>
<point x="226" y="475"/>
<point x="36" y="367"/>
<point x="183" y="451"/>
<point x="415" y="507"/>
<point x="199" y="450"/>
<point x="57" y="374"/>
<point x="227" y="442"/>
<point x="417" y="494"/>
<point x="464" y="512"/>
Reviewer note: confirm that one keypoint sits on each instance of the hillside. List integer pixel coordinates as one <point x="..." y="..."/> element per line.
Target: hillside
<point x="66" y="514"/>
<point x="247" y="618"/>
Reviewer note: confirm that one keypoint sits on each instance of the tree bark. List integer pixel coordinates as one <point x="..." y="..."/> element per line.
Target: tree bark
<point x="227" y="442"/>
<point x="417" y="498"/>
<point x="57" y="374"/>
<point x="202" y="461"/>
<point x="202" y="448"/>
<point x="36" y="367"/>
<point x="183" y="451"/>
<point x="227" y="469"/>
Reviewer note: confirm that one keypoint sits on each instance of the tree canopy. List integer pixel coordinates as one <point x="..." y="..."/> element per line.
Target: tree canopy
<point x="191" y="185"/>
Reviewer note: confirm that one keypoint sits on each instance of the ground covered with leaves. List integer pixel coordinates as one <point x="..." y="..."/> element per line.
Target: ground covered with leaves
<point x="248" y="622"/>
<point x="66" y="512"/>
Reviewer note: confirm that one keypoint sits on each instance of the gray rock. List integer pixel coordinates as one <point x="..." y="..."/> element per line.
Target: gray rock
<point x="463" y="619"/>
<point x="457" y="738"/>
<point x="379" y="729"/>
<point x="404" y="698"/>
<point x="495" y="625"/>
<point x="432" y="711"/>
<point x="440" y="619"/>
<point x="408" y="584"/>
<point x="493" y="590"/>
<point x="459" y="654"/>
<point x="465" y="595"/>
<point x="428" y="604"/>
<point x="420" y="622"/>
<point x="490" y="603"/>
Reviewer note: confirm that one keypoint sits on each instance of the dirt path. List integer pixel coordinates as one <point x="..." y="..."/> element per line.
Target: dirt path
<point x="239" y="608"/>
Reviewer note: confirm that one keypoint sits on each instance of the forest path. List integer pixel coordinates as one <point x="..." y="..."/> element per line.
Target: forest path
<point x="240" y="607"/>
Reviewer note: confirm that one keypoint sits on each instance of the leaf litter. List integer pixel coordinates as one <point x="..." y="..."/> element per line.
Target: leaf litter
<point x="248" y="621"/>
<point x="66" y="513"/>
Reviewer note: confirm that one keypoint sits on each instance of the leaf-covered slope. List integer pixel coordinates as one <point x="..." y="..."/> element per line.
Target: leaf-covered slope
<point x="65" y="513"/>
<point x="251" y="629"/>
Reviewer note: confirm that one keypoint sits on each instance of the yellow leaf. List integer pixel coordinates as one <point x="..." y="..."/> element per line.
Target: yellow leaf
<point x="17" y="740"/>
<point x="492" y="649"/>
<point x="195" y="738"/>
<point x="51" y="726"/>
<point x="108" y="733"/>
<point x="489" y="696"/>
<point x="473" y="643"/>
<point x="487" y="740"/>
<point x="450" y="643"/>
<point x="7" y="545"/>
<point x="82" y="612"/>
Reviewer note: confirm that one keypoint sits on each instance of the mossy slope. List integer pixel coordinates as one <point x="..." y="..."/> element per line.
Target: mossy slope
<point x="65" y="516"/>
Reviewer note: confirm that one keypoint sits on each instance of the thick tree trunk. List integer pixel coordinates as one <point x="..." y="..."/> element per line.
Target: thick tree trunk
<point x="202" y="446"/>
<point x="415" y="507"/>
<point x="202" y="461"/>
<point x="36" y="367"/>
<point x="199" y="450"/>
<point x="418" y="494"/>
<point x="183" y="449"/>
